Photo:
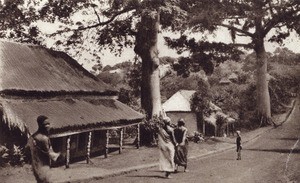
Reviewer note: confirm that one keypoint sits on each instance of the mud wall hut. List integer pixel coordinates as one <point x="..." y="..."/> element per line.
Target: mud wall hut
<point x="82" y="109"/>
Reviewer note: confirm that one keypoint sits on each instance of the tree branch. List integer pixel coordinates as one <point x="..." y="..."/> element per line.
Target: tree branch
<point x="98" y="17"/>
<point x="237" y="29"/>
<point x="97" y="24"/>
<point x="242" y="45"/>
<point x="280" y="18"/>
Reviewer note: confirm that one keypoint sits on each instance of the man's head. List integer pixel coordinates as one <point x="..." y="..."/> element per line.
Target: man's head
<point x="180" y="122"/>
<point x="167" y="121"/>
<point x="43" y="123"/>
<point x="238" y="133"/>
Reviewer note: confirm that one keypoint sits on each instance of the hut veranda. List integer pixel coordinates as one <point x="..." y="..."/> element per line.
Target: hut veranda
<point x="82" y="109"/>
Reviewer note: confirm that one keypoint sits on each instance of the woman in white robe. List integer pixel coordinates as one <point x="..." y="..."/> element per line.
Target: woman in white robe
<point x="166" y="146"/>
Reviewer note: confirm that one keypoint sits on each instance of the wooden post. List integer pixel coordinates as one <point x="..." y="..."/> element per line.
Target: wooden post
<point x="203" y="128"/>
<point x="227" y="130"/>
<point x="121" y="141"/>
<point x="88" y="148"/>
<point x="106" y="144"/>
<point x="138" y="136"/>
<point x="216" y="127"/>
<point x="68" y="152"/>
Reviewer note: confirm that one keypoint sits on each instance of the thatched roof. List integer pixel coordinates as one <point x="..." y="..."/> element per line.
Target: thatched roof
<point x="69" y="115"/>
<point x="233" y="76"/>
<point x="225" y="81"/>
<point x="34" y="68"/>
<point x="180" y="101"/>
<point x="212" y="118"/>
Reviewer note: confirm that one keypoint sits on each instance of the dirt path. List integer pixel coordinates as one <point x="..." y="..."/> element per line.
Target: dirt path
<point x="273" y="157"/>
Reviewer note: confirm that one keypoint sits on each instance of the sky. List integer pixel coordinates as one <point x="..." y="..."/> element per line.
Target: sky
<point x="292" y="43"/>
<point x="222" y="35"/>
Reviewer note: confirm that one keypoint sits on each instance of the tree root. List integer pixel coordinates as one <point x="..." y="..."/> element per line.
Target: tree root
<point x="265" y="121"/>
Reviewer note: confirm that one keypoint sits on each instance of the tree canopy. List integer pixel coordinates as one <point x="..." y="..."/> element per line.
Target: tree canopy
<point x="89" y="27"/>
<point x="79" y="26"/>
<point x="256" y="19"/>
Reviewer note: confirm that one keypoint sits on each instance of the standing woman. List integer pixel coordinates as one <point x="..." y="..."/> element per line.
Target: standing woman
<point x="182" y="149"/>
<point x="166" y="146"/>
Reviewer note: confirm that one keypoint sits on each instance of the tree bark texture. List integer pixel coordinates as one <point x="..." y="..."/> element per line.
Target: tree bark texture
<point x="146" y="48"/>
<point x="263" y="96"/>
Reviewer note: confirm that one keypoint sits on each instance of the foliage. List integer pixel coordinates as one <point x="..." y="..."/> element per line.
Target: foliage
<point x="285" y="56"/>
<point x="247" y="18"/>
<point x="149" y="129"/>
<point x="203" y="54"/>
<point x="239" y="17"/>
<point x="4" y="156"/>
<point x="85" y="26"/>
<point x="14" y="156"/>
<point x="173" y="83"/>
<point x="286" y="81"/>
<point x="93" y="27"/>
<point x="202" y="97"/>
<point x="134" y="78"/>
<point x="127" y="96"/>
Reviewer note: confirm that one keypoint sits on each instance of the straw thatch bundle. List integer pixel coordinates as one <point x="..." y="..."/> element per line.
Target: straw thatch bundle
<point x="69" y="115"/>
<point x="36" y="80"/>
<point x="34" y="68"/>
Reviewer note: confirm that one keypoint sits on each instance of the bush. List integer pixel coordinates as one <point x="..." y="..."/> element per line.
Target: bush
<point x="286" y="81"/>
<point x="149" y="130"/>
<point x="14" y="156"/>
<point x="4" y="156"/>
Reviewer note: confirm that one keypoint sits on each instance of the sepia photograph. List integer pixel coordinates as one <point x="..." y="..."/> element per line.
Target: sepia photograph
<point x="148" y="91"/>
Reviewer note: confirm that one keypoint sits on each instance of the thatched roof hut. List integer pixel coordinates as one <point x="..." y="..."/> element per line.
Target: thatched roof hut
<point x="224" y="81"/>
<point x="69" y="115"/>
<point x="36" y="80"/>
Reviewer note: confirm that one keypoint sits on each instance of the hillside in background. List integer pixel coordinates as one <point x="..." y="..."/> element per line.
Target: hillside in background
<point x="232" y="84"/>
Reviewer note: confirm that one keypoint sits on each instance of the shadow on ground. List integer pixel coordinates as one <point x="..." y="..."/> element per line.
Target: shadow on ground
<point x="295" y="151"/>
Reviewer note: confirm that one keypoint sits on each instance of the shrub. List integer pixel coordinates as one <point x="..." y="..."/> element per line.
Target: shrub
<point x="149" y="130"/>
<point x="4" y="156"/>
<point x="16" y="156"/>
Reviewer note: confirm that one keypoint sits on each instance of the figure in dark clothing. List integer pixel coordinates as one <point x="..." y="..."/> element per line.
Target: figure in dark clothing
<point x="181" y="151"/>
<point x="41" y="151"/>
<point x="239" y="145"/>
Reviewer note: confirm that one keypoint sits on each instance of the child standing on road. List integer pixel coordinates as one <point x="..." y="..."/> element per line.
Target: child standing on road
<point x="238" y="145"/>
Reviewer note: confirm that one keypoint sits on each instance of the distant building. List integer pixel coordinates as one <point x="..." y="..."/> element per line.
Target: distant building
<point x="179" y="106"/>
<point x="224" y="81"/>
<point x="233" y="77"/>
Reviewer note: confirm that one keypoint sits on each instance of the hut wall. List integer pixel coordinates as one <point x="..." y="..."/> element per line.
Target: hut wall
<point x="78" y="145"/>
<point x="190" y="119"/>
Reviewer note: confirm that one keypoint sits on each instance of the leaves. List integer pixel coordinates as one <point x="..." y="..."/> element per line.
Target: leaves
<point x="203" y="54"/>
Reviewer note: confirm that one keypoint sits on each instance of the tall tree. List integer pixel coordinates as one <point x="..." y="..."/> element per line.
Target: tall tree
<point x="256" y="19"/>
<point x="112" y="24"/>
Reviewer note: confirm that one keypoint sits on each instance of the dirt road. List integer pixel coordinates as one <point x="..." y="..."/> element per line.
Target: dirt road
<point x="273" y="157"/>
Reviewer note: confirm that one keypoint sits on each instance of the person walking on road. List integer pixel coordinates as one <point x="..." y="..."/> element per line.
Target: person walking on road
<point x="166" y="144"/>
<point x="181" y="151"/>
<point x="238" y="145"/>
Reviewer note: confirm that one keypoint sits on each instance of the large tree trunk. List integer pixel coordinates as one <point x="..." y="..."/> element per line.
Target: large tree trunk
<point x="263" y="96"/>
<point x="146" y="48"/>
